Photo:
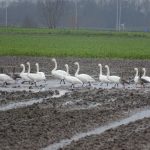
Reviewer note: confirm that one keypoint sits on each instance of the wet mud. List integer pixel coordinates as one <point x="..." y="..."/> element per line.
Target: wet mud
<point x="60" y="113"/>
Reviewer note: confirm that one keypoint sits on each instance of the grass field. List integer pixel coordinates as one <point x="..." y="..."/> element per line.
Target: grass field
<point x="75" y="43"/>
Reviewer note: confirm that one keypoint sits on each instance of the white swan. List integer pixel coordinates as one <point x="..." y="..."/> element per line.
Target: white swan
<point x="103" y="78"/>
<point x="136" y="78"/>
<point x="71" y="79"/>
<point x="113" y="79"/>
<point x="23" y="75"/>
<point x="144" y="77"/>
<point x="83" y="77"/>
<point x="5" y="79"/>
<point x="35" y="77"/>
<point x="60" y="74"/>
<point x="38" y="72"/>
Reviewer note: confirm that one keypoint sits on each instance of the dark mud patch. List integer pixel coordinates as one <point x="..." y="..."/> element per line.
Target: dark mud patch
<point x="39" y="125"/>
<point x="54" y="119"/>
<point x="6" y="97"/>
<point x="129" y="137"/>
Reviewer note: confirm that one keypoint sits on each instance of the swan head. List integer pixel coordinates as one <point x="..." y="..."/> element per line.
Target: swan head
<point x="21" y="65"/>
<point x="106" y="66"/>
<point x="99" y="65"/>
<point x="36" y="64"/>
<point x="66" y="65"/>
<point x="136" y="69"/>
<point x="53" y="59"/>
<point x="76" y="63"/>
<point x="28" y="63"/>
<point x="143" y="69"/>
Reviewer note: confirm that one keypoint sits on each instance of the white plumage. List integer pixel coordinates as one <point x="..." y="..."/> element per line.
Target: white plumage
<point x="35" y="77"/>
<point x="136" y="78"/>
<point x="23" y="75"/>
<point x="71" y="79"/>
<point x="103" y="78"/>
<point x="60" y="74"/>
<point x="113" y="79"/>
<point x="40" y="73"/>
<point x="5" y="78"/>
<point x="146" y="78"/>
<point x="85" y="78"/>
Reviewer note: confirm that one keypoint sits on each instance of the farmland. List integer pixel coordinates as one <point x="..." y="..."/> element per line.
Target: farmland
<point x="74" y="43"/>
<point x="40" y="113"/>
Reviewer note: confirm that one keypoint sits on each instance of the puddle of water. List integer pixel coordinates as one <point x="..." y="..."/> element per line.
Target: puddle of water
<point x="53" y="84"/>
<point x="97" y="131"/>
<point x="50" y="84"/>
<point x="61" y="93"/>
<point x="79" y="105"/>
<point x="30" y="102"/>
<point x="20" y="104"/>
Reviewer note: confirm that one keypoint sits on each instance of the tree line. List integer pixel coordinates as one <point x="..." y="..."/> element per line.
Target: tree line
<point x="133" y="14"/>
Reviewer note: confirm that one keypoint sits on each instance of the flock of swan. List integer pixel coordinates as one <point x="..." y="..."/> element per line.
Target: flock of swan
<point x="76" y="79"/>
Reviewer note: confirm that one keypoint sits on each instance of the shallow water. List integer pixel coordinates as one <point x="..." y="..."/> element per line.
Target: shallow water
<point x="80" y="105"/>
<point x="99" y="130"/>
<point x="54" y="84"/>
<point x="29" y="102"/>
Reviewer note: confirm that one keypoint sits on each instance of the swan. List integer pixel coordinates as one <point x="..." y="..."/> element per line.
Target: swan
<point x="112" y="79"/>
<point x="83" y="77"/>
<point x="60" y="74"/>
<point x="41" y="73"/>
<point x="144" y="77"/>
<point x="71" y="79"/>
<point x="5" y="79"/>
<point x="136" y="78"/>
<point x="35" y="77"/>
<point x="103" y="78"/>
<point x="24" y="75"/>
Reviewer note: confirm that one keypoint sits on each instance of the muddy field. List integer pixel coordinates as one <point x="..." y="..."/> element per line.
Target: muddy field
<point x="39" y="117"/>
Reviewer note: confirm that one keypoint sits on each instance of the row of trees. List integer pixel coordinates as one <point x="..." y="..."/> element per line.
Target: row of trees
<point x="70" y="13"/>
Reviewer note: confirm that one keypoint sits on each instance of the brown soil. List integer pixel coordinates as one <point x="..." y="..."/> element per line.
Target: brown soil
<point x="54" y="119"/>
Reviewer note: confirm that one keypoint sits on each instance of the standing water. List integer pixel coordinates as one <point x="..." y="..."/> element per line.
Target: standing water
<point x="97" y="131"/>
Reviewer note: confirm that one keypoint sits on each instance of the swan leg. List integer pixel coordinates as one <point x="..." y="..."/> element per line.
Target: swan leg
<point x="72" y="86"/>
<point x="35" y="84"/>
<point x="101" y="84"/>
<point x="83" y="84"/>
<point x="4" y="84"/>
<point x="60" y="81"/>
<point x="107" y="84"/>
<point x="64" y="81"/>
<point x="115" y="85"/>
<point x="89" y="83"/>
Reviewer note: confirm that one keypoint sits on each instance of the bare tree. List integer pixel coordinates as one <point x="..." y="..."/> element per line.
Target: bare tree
<point x="52" y="11"/>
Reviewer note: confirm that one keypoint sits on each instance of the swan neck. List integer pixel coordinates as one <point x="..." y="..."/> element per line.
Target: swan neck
<point x="78" y="68"/>
<point x="144" y="73"/>
<point x="136" y="74"/>
<point x="55" y="65"/>
<point x="23" y="70"/>
<point x="67" y="69"/>
<point x="29" y="68"/>
<point x="100" y="70"/>
<point x="37" y="67"/>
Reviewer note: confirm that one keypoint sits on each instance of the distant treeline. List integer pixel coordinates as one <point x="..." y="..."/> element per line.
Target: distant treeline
<point x="133" y="14"/>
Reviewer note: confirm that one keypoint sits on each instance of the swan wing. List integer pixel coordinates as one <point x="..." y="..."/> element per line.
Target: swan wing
<point x="103" y="78"/>
<point x="114" y="78"/>
<point x="24" y="76"/>
<point x="146" y="78"/>
<point x="35" y="77"/>
<point x="85" y="78"/>
<point x="4" y="77"/>
<point x="73" y="80"/>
